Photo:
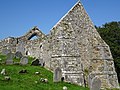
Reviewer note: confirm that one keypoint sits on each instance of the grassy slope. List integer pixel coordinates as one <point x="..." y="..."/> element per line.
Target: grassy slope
<point x="27" y="81"/>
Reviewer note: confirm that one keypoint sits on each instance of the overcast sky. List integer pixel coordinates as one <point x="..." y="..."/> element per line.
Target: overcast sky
<point x="18" y="16"/>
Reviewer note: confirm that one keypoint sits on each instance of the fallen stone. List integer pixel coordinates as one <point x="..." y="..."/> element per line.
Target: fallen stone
<point x="64" y="88"/>
<point x="41" y="79"/>
<point x="3" y="72"/>
<point x="7" y="78"/>
<point x="24" y="60"/>
<point x="44" y="80"/>
<point x="36" y="82"/>
<point x="37" y="73"/>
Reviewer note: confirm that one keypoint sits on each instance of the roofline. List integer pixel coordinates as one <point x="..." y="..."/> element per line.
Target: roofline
<point x="78" y="2"/>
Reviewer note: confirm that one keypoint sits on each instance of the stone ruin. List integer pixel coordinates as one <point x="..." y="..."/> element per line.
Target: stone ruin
<point x="74" y="46"/>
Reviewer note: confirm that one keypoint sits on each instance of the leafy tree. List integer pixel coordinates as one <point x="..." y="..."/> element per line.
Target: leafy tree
<point x="110" y="32"/>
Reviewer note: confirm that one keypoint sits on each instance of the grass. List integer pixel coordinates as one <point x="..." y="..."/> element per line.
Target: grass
<point x="2" y="58"/>
<point x="27" y="81"/>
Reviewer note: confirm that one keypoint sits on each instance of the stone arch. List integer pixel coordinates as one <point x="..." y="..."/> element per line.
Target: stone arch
<point x="34" y="32"/>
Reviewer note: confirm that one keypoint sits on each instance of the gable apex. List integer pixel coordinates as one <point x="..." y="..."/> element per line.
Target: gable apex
<point x="78" y="3"/>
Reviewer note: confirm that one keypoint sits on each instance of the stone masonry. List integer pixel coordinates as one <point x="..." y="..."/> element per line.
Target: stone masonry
<point x="74" y="46"/>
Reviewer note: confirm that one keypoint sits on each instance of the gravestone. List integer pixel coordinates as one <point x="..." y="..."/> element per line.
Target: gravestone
<point x="96" y="84"/>
<point x="90" y="77"/>
<point x="10" y="57"/>
<point x="18" y="54"/>
<point x="57" y="75"/>
<point x="21" y="47"/>
<point x="24" y="60"/>
<point x="5" y="51"/>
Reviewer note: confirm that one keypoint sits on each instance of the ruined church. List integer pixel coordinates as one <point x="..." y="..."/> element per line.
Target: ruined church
<point x="73" y="47"/>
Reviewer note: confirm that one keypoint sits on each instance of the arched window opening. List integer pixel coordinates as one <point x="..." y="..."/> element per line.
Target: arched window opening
<point x="33" y="37"/>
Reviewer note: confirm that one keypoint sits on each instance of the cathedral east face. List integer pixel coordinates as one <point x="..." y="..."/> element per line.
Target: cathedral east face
<point x="73" y="50"/>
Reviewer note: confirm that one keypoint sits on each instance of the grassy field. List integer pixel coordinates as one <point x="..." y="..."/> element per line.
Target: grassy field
<point x="27" y="81"/>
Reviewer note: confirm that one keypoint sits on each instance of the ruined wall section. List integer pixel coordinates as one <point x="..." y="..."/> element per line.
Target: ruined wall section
<point x="24" y="44"/>
<point x="31" y="47"/>
<point x="33" y="32"/>
<point x="9" y="44"/>
<point x="75" y="46"/>
<point x="102" y="66"/>
<point x="69" y="46"/>
<point x="34" y="48"/>
<point x="47" y="50"/>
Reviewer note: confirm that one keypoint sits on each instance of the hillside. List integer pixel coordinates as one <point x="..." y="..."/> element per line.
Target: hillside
<point x="29" y="80"/>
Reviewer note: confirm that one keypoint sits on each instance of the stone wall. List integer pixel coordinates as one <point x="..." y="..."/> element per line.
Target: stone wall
<point x="74" y="46"/>
<point x="24" y="44"/>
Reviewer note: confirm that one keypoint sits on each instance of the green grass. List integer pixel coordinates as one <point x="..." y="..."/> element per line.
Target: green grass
<point x="2" y="58"/>
<point x="27" y="81"/>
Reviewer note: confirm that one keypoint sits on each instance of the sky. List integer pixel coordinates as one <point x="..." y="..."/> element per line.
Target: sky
<point x="18" y="16"/>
